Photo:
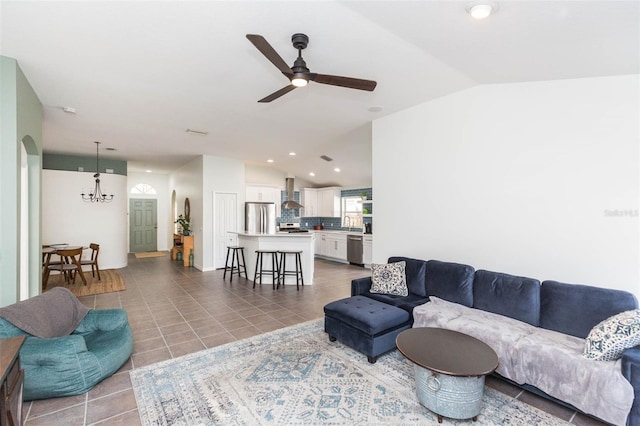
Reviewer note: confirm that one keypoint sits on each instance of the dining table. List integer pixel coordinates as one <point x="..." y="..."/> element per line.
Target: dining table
<point x="48" y="250"/>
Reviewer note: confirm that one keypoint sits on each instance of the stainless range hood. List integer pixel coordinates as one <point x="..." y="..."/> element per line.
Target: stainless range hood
<point x="290" y="203"/>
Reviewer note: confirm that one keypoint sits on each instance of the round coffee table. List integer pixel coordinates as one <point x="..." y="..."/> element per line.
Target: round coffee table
<point x="450" y="368"/>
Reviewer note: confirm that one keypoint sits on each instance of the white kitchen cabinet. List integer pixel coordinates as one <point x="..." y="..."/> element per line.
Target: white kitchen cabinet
<point x="263" y="194"/>
<point x="319" y="243"/>
<point x="331" y="245"/>
<point x="320" y="202"/>
<point x="336" y="246"/>
<point x="329" y="202"/>
<point x="309" y="201"/>
<point x="367" y="250"/>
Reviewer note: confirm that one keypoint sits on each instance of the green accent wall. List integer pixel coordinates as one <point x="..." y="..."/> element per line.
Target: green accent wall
<point x="21" y="116"/>
<point x="72" y="162"/>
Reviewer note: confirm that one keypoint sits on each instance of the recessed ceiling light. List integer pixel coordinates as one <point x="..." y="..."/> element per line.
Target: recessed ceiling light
<point x="148" y="171"/>
<point x="69" y="110"/>
<point x="375" y="108"/>
<point x="270" y="160"/>
<point x="311" y="174"/>
<point x="292" y="153"/>
<point x="481" y="9"/>
<point x="337" y="169"/>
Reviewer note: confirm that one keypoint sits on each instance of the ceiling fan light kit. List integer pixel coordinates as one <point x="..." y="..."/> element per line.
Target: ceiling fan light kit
<point x="299" y="75"/>
<point x="481" y="9"/>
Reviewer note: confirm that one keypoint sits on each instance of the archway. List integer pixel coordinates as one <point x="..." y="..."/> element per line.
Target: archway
<point x="29" y="241"/>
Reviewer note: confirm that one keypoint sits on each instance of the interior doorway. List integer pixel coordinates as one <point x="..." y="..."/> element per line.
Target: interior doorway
<point x="143" y="225"/>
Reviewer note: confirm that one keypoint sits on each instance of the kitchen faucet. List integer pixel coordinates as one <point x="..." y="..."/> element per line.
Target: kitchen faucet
<point x="347" y="221"/>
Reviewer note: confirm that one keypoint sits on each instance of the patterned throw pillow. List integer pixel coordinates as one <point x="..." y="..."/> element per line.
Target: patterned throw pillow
<point x="389" y="278"/>
<point x="607" y="340"/>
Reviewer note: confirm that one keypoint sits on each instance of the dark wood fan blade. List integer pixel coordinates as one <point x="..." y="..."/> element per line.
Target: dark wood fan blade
<point x="351" y="83"/>
<point x="276" y="95"/>
<point x="265" y="48"/>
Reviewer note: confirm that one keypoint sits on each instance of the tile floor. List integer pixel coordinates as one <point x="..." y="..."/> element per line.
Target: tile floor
<point x="174" y="311"/>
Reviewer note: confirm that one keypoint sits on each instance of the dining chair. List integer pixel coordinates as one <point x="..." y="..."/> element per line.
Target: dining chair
<point x="69" y="267"/>
<point x="95" y="250"/>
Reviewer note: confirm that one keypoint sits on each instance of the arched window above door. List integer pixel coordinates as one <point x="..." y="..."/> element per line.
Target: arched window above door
<point x="143" y="188"/>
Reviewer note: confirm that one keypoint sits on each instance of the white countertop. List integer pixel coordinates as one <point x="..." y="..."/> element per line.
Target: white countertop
<point x="277" y="234"/>
<point x="338" y="231"/>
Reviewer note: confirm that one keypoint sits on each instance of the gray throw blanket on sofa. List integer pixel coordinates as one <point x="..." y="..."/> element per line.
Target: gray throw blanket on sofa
<point x="52" y="314"/>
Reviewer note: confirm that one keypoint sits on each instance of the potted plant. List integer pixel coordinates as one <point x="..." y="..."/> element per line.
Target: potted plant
<point x="364" y="195"/>
<point x="184" y="224"/>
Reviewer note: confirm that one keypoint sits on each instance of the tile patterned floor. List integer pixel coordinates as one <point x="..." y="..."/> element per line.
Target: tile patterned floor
<point x="174" y="311"/>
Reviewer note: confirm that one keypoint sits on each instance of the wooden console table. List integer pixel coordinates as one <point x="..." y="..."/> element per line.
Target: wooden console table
<point x="12" y="381"/>
<point x="185" y="248"/>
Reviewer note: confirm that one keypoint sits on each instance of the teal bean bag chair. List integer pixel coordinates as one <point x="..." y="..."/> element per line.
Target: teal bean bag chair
<point x="69" y="348"/>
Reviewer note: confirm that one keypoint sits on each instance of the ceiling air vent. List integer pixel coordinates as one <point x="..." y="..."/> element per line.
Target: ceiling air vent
<point x="326" y="158"/>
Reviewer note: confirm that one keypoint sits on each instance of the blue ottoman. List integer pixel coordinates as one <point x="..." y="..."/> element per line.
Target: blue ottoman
<point x="365" y="324"/>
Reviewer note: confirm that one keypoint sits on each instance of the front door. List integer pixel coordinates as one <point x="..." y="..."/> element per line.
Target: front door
<point x="143" y="225"/>
<point x="225" y="222"/>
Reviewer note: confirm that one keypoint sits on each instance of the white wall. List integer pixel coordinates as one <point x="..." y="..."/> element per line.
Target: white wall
<point x="220" y="175"/>
<point x="160" y="183"/>
<point x="187" y="182"/>
<point x="68" y="219"/>
<point x="516" y="178"/>
<point x="199" y="180"/>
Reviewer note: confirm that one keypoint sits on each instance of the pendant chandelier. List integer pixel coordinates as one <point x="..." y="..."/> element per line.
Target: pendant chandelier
<point x="97" y="195"/>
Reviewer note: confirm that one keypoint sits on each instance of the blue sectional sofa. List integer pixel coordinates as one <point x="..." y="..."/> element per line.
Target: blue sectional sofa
<point x="460" y="296"/>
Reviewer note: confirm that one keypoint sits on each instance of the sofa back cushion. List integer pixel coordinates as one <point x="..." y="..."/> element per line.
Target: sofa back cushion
<point x="415" y="274"/>
<point x="509" y="295"/>
<point x="575" y="309"/>
<point x="450" y="281"/>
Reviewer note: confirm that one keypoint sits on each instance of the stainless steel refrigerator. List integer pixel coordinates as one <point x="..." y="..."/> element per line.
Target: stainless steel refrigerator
<point x="260" y="218"/>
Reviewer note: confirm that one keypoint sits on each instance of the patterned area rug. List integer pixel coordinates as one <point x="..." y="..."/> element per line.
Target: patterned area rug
<point x="295" y="376"/>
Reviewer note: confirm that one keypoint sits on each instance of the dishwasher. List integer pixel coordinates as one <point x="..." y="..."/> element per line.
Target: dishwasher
<point x="354" y="250"/>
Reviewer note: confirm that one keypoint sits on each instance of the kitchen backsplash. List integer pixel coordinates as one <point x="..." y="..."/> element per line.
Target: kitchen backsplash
<point x="335" y="223"/>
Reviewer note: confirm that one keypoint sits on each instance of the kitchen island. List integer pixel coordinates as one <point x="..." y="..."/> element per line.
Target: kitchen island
<point x="299" y="241"/>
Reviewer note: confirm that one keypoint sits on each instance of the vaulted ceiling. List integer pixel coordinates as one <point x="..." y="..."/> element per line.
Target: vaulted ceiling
<point x="140" y="73"/>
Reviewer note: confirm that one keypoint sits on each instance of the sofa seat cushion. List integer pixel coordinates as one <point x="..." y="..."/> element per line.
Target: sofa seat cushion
<point x="548" y="360"/>
<point x="408" y="303"/>
<point x="367" y="315"/>
<point x="499" y="332"/>
<point x="553" y="363"/>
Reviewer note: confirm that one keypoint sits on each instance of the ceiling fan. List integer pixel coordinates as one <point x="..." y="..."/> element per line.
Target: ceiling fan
<point x="299" y="74"/>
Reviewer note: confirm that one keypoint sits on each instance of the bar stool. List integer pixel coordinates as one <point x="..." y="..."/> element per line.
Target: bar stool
<point x="298" y="267"/>
<point x="235" y="258"/>
<point x="275" y="276"/>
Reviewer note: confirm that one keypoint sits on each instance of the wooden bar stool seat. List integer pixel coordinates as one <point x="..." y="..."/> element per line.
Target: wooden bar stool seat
<point x="236" y="266"/>
<point x="297" y="271"/>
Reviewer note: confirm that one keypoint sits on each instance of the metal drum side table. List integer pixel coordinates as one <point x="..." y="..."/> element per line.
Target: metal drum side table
<point x="450" y="368"/>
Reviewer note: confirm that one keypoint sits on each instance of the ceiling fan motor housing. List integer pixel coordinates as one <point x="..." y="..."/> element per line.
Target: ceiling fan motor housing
<point x="300" y="41"/>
